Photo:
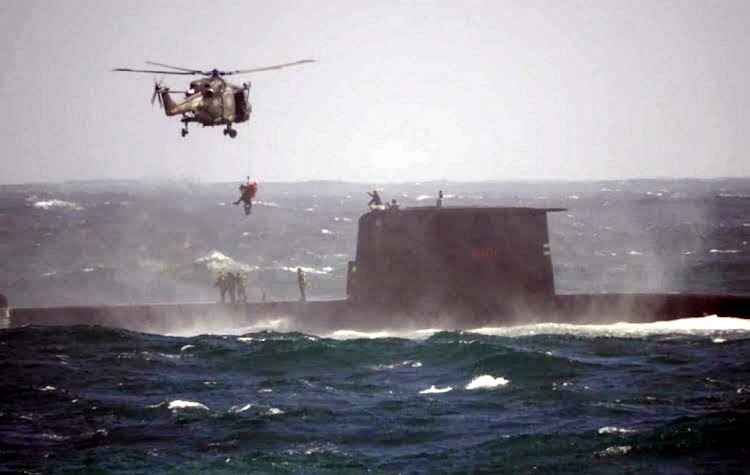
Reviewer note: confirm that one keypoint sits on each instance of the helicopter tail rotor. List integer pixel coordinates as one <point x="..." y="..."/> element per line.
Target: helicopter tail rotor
<point x="158" y="89"/>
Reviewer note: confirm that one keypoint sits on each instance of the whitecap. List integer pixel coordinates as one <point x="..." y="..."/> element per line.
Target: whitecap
<point x="688" y="326"/>
<point x="48" y="388"/>
<point x="435" y="390"/>
<point x="50" y="204"/>
<point x="614" y="430"/>
<point x="180" y="404"/>
<point x="486" y="381"/>
<point x="718" y="340"/>
<point x="635" y="253"/>
<point x="274" y="411"/>
<point x="216" y="261"/>
<point x="723" y="251"/>
<point x="326" y="232"/>
<point x="241" y="409"/>
<point x="308" y="270"/>
<point x="423" y="197"/>
<point x="409" y="334"/>
<point x="618" y="450"/>
<point x="187" y="347"/>
<point x="351" y="334"/>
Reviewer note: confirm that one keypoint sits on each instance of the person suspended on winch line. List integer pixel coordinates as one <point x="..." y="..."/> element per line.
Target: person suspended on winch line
<point x="247" y="193"/>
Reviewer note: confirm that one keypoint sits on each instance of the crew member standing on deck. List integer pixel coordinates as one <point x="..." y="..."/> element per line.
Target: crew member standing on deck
<point x="439" y="203"/>
<point x="221" y="283"/>
<point x="241" y="295"/>
<point x="302" y="282"/>
<point x="4" y="312"/>
<point x="231" y="286"/>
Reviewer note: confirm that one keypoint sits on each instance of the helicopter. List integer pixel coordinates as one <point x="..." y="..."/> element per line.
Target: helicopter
<point x="210" y="100"/>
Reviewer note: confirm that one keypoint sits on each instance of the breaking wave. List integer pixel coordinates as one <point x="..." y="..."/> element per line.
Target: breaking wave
<point x="57" y="204"/>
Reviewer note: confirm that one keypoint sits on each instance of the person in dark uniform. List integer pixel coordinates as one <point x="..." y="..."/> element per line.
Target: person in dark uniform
<point x="374" y="199"/>
<point x="439" y="203"/>
<point x="241" y="295"/>
<point x="221" y="283"/>
<point x="231" y="286"/>
<point x="4" y="312"/>
<point x="302" y="282"/>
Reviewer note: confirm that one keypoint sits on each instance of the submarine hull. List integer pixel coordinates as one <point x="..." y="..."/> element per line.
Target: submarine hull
<point x="327" y="316"/>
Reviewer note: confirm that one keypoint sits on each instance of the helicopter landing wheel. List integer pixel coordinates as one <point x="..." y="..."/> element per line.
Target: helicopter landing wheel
<point x="184" y="132"/>
<point x="232" y="133"/>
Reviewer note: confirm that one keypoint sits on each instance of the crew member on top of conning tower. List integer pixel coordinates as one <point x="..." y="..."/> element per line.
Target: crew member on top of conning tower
<point x="439" y="203"/>
<point x="375" y="202"/>
<point x="247" y="193"/>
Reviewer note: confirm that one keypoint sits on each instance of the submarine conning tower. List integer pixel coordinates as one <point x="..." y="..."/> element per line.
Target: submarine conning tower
<point x="479" y="258"/>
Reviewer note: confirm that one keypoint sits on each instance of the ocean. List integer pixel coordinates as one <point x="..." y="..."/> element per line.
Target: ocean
<point x="668" y="397"/>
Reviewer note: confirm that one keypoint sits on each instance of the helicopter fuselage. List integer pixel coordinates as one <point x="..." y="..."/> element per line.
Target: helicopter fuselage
<point x="210" y="102"/>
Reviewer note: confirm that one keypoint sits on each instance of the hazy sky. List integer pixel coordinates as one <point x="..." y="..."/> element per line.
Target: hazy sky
<point x="404" y="90"/>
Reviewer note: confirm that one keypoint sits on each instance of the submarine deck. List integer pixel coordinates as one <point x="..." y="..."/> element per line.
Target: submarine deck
<point x="326" y="316"/>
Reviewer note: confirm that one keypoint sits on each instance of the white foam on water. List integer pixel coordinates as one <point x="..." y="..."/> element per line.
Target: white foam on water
<point x="346" y="334"/>
<point x="308" y="270"/>
<point x="435" y="390"/>
<point x="486" y="381"/>
<point x="410" y="363"/>
<point x="354" y="334"/>
<point x="274" y="411"/>
<point x="216" y="261"/>
<point x="48" y="388"/>
<point x="614" y="430"/>
<point x="180" y="404"/>
<point x="244" y="408"/>
<point x="615" y="450"/>
<point x="59" y="204"/>
<point x="687" y="326"/>
<point x="267" y="203"/>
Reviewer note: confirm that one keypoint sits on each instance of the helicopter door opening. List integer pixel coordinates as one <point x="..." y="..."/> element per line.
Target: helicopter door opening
<point x="229" y="107"/>
<point x="240" y="105"/>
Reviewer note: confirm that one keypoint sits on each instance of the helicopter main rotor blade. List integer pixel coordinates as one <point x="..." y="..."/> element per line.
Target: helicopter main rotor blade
<point x="268" y="68"/>
<point x="128" y="70"/>
<point x="193" y="71"/>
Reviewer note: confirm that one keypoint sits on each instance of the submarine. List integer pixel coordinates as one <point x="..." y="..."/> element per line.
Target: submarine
<point x="419" y="267"/>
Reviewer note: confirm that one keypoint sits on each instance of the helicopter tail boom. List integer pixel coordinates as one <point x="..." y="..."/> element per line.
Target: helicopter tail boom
<point x="171" y="107"/>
